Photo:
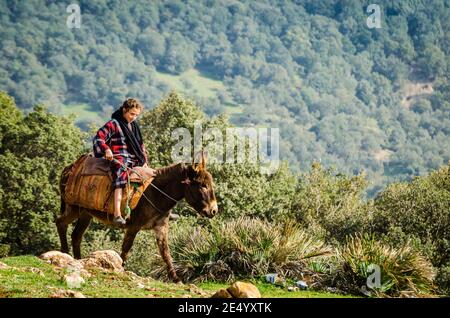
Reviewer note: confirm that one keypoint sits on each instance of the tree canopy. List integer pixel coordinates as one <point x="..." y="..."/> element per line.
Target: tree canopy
<point x="342" y="93"/>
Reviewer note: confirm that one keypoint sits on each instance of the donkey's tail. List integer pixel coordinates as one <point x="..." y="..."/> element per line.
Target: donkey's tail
<point x="62" y="186"/>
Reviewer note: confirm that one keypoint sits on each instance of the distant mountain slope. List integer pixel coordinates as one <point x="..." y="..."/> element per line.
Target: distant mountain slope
<point x="313" y="68"/>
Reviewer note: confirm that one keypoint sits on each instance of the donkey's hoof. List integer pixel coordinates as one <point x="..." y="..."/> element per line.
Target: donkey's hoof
<point x="176" y="280"/>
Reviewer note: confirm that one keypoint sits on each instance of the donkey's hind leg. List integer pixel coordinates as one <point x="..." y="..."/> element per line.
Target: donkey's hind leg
<point x="77" y="234"/>
<point x="69" y="214"/>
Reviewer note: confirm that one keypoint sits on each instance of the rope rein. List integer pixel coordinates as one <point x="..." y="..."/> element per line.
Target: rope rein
<point x="127" y="207"/>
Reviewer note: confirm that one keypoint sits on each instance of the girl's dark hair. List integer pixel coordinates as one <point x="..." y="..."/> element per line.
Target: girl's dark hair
<point x="132" y="103"/>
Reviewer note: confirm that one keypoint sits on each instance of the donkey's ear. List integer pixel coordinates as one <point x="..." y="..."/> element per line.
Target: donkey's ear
<point x="199" y="162"/>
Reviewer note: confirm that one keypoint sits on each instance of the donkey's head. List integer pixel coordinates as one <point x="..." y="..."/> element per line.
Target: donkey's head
<point x="199" y="192"/>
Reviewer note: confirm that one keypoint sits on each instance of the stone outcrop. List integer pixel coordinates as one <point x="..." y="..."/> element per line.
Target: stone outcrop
<point x="239" y="290"/>
<point x="61" y="293"/>
<point x="59" y="259"/>
<point x="106" y="260"/>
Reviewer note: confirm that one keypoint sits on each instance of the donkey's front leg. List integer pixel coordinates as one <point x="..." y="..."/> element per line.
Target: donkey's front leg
<point x="162" y="237"/>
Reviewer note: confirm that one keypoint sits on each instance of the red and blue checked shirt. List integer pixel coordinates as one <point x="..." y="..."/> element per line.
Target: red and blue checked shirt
<point x="110" y="136"/>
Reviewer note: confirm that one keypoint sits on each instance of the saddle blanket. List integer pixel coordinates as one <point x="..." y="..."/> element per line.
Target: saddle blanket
<point x="90" y="185"/>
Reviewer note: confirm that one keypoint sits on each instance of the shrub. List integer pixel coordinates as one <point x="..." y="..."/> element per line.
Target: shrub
<point x="4" y="250"/>
<point x="33" y="151"/>
<point x="331" y="205"/>
<point x="241" y="189"/>
<point x="418" y="211"/>
<point x="242" y="247"/>
<point x="403" y="271"/>
<point x="443" y="280"/>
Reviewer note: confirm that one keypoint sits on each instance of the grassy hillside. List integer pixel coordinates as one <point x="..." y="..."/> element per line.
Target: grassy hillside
<point x="29" y="276"/>
<point x="192" y="82"/>
<point x="315" y="69"/>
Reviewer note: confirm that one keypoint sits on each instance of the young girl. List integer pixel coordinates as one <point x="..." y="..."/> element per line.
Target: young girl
<point x="121" y="139"/>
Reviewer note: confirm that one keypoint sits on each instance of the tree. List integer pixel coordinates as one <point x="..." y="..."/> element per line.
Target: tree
<point x="38" y="146"/>
<point x="241" y="189"/>
<point x="152" y="45"/>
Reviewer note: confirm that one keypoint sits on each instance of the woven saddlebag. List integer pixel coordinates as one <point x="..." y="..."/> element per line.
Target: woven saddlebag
<point x="90" y="185"/>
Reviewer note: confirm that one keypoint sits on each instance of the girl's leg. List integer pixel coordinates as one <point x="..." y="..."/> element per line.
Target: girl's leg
<point x="117" y="201"/>
<point x="119" y="181"/>
<point x="118" y="220"/>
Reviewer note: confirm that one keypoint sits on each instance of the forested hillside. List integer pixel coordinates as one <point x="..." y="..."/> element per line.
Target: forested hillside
<point x="350" y="96"/>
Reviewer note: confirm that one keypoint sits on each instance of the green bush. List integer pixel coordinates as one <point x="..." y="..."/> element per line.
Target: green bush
<point x="241" y="189"/>
<point x="242" y="247"/>
<point x="418" y="211"/>
<point x="443" y="280"/>
<point x="4" y="250"/>
<point x="331" y="205"/>
<point x="33" y="151"/>
<point x="403" y="271"/>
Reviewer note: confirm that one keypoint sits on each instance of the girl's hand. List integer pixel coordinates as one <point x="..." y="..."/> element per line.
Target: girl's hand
<point x="108" y="155"/>
<point x="153" y="171"/>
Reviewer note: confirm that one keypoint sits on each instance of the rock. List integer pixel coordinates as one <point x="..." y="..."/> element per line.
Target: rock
<point x="3" y="266"/>
<point x="292" y="288"/>
<point x="107" y="259"/>
<point x="222" y="293"/>
<point x="35" y="270"/>
<point x="59" y="259"/>
<point x="153" y="289"/>
<point x="192" y="288"/>
<point x="244" y="290"/>
<point x="63" y="260"/>
<point x="74" y="280"/>
<point x="131" y="275"/>
<point x="61" y="293"/>
<point x="140" y="286"/>
<point x="195" y="290"/>
<point x="77" y="269"/>
<point x="73" y="294"/>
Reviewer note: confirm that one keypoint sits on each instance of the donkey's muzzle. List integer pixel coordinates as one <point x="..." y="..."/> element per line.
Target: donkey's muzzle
<point x="211" y="210"/>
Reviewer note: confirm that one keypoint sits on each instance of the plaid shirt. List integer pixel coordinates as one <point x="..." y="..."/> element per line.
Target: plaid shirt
<point x="110" y="136"/>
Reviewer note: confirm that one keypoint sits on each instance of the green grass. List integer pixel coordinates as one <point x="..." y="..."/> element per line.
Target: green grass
<point x="19" y="281"/>
<point x="196" y="83"/>
<point x="30" y="277"/>
<point x="192" y="82"/>
<point x="271" y="291"/>
<point x="83" y="114"/>
<point x="233" y="109"/>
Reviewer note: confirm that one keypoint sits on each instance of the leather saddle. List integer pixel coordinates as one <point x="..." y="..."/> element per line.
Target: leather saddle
<point x="101" y="167"/>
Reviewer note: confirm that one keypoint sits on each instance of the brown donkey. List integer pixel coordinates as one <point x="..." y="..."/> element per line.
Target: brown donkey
<point x="191" y="182"/>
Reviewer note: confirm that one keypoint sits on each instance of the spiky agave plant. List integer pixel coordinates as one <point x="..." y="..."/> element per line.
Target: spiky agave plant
<point x="295" y="248"/>
<point x="376" y="269"/>
<point x="191" y="248"/>
<point x="241" y="247"/>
